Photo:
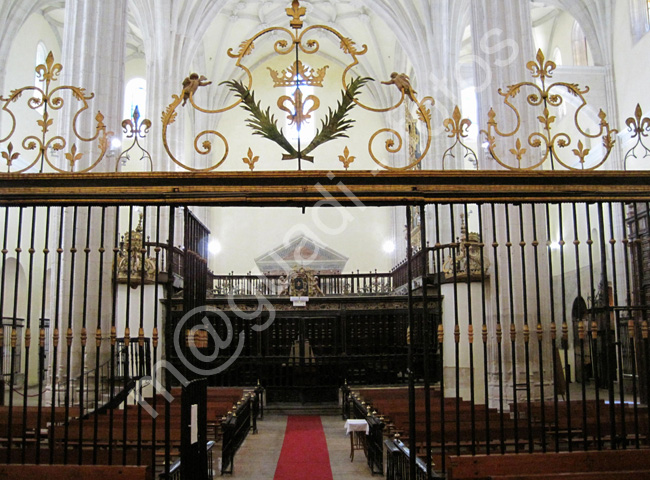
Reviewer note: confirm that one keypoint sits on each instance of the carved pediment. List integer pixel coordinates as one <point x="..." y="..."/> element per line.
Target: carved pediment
<point x="301" y="251"/>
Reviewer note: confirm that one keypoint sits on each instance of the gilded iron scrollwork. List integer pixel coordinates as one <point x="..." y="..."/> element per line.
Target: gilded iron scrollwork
<point x="640" y="127"/>
<point x="298" y="106"/>
<point x="546" y="141"/>
<point x="49" y="100"/>
<point x="135" y="129"/>
<point x="456" y="128"/>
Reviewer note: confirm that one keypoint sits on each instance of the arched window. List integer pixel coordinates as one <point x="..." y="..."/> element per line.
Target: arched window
<point x="307" y="129"/>
<point x="41" y="55"/>
<point x="135" y="95"/>
<point x="557" y="56"/>
<point x="579" y="44"/>
<point x="639" y="18"/>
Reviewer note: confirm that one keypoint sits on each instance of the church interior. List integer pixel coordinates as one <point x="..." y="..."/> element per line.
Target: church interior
<point x="423" y="223"/>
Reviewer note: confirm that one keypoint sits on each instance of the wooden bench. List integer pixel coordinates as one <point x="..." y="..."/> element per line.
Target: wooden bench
<point x="573" y="465"/>
<point x="78" y="472"/>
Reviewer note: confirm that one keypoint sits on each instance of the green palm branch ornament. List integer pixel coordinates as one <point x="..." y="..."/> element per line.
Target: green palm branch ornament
<point x="333" y="126"/>
<point x="262" y="122"/>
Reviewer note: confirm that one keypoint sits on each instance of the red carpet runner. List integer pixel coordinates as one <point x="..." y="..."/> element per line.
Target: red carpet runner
<point x="304" y="451"/>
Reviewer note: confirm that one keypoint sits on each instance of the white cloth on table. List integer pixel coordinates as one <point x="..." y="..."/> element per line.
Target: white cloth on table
<point x="354" y="425"/>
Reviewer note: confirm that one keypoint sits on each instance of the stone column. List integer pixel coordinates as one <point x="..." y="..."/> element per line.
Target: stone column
<point x="13" y="15"/>
<point x="172" y="32"/>
<point x="93" y="53"/>
<point x="503" y="44"/>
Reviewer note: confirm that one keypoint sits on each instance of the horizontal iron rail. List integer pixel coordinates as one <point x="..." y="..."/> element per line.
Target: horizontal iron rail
<point x="307" y="188"/>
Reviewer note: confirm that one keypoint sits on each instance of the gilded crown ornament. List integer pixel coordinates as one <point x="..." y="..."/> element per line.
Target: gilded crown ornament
<point x="298" y="74"/>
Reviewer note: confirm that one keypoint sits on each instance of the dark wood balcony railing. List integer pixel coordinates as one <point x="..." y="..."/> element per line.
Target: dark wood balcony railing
<point x="372" y="283"/>
<point x="435" y="258"/>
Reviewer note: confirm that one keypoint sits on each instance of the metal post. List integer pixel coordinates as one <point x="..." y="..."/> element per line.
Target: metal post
<point x="409" y="275"/>
<point x="426" y="333"/>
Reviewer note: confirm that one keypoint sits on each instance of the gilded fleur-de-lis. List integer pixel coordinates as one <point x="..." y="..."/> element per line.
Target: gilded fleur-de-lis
<point x="581" y="152"/>
<point x="457" y="126"/>
<point x="546" y="119"/>
<point x="45" y="123"/>
<point x="297" y="115"/>
<point x="251" y="160"/>
<point x="49" y="71"/>
<point x="295" y="12"/>
<point x="637" y="124"/>
<point x="346" y="159"/>
<point x="541" y="68"/>
<point x="639" y="127"/>
<point x="518" y="151"/>
<point x="10" y="155"/>
<point x="73" y="156"/>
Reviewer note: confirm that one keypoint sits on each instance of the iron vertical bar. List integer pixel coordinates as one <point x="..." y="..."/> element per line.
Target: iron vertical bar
<point x="14" y="325"/>
<point x="553" y="326"/>
<point x="470" y="331"/>
<point x="69" y="331"/>
<point x="593" y="331"/>
<point x="84" y="332"/>
<point x="27" y="335"/>
<point x="631" y="326"/>
<point x="540" y="329"/>
<point x="440" y="339"/>
<point x="98" y="334"/>
<point x="411" y="323"/>
<point x="644" y="325"/>
<point x="116" y="251"/>
<point x="642" y="300"/>
<point x="452" y="231"/>
<point x="576" y="245"/>
<point x="125" y="355"/>
<point x="42" y="337"/>
<point x="619" y="342"/>
<point x="484" y="332"/>
<point x="56" y="334"/>
<point x="140" y="357"/>
<point x="154" y="335"/>
<point x="524" y="288"/>
<point x="499" y="331"/>
<point x="565" y="327"/>
<point x="426" y="337"/>
<point x="607" y="310"/>
<point x="168" y="321"/>
<point x="513" y="330"/>
<point x="2" y="298"/>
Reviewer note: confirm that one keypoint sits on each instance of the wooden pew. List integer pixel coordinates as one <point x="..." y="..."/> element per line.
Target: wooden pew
<point x="545" y="465"/>
<point x="78" y="472"/>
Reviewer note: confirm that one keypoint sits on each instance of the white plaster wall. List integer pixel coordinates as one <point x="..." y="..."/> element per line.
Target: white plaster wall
<point x="20" y="73"/>
<point x="245" y="233"/>
<point x="449" y="343"/>
<point x="631" y="72"/>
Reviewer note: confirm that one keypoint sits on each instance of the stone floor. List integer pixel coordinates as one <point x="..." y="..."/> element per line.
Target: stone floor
<point x="258" y="456"/>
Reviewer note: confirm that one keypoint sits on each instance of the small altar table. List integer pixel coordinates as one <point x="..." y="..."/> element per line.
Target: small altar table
<point x="354" y="427"/>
